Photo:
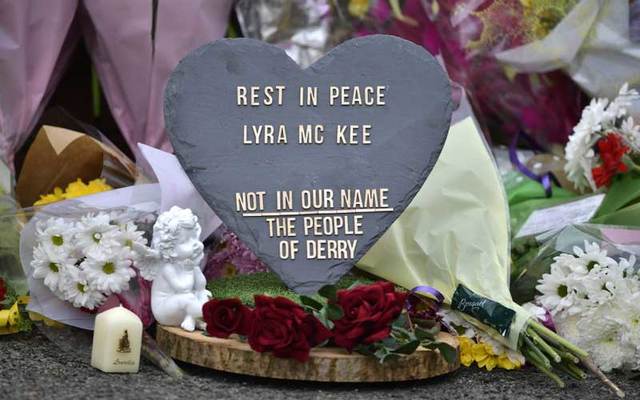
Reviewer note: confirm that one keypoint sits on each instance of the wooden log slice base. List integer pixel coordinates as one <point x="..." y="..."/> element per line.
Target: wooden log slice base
<point x="324" y="364"/>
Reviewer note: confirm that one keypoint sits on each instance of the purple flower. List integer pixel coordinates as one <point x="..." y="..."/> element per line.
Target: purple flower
<point x="231" y="257"/>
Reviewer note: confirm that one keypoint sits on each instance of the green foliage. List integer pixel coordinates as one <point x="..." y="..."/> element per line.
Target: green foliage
<point x="405" y="338"/>
<point x="245" y="287"/>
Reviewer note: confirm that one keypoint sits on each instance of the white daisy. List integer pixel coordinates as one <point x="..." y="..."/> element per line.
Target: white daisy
<point x="49" y="265"/>
<point x="96" y="233"/>
<point x="109" y="273"/>
<point x="78" y="292"/>
<point x="556" y="292"/>
<point x="55" y="232"/>
<point x="129" y="236"/>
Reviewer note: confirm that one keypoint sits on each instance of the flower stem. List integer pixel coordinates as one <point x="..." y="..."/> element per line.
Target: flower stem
<point x="575" y="369"/>
<point x="544" y="346"/>
<point x="591" y="366"/>
<point x="536" y="351"/>
<point x="557" y="339"/>
<point x="547" y="372"/>
<point x="152" y="352"/>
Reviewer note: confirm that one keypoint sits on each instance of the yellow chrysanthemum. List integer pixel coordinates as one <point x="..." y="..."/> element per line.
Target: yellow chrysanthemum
<point x="73" y="190"/>
<point x="505" y="362"/>
<point x="57" y="195"/>
<point x="79" y="188"/>
<point x="358" y="8"/>
<point x="466" y="347"/>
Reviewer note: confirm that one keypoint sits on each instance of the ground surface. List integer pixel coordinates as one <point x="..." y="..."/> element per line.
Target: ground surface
<point x="32" y="367"/>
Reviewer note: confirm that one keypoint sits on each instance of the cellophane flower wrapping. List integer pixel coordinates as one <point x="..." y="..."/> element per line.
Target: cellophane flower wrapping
<point x="454" y="237"/>
<point x="546" y="105"/>
<point x="135" y="205"/>
<point x="588" y="281"/>
<point x="594" y="43"/>
<point x="616" y="240"/>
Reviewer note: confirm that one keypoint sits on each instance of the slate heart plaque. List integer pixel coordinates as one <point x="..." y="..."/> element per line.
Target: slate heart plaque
<point x="308" y="167"/>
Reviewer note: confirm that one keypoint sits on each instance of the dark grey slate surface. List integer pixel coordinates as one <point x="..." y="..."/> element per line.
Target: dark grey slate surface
<point x="205" y="126"/>
<point x="31" y="367"/>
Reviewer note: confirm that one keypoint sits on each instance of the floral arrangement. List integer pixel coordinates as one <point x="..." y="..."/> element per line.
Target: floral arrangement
<point x="13" y="316"/>
<point x="604" y="142"/>
<point x="594" y="302"/>
<point x="84" y="261"/>
<point x="478" y="347"/>
<point x="231" y="257"/>
<point x="73" y="190"/>
<point x="366" y="318"/>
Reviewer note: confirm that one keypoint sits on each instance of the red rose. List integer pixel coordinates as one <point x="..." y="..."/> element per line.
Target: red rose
<point x="369" y="311"/>
<point x="227" y="316"/>
<point x="283" y="327"/>
<point x="3" y="290"/>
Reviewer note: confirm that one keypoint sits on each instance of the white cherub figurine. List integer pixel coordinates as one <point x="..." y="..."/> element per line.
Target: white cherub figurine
<point x="173" y="264"/>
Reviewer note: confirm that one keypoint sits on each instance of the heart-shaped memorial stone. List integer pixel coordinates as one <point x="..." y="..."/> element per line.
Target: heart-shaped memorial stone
<point x="308" y="167"/>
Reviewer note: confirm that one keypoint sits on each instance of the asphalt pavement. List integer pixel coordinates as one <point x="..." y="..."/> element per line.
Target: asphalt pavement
<point x="32" y="367"/>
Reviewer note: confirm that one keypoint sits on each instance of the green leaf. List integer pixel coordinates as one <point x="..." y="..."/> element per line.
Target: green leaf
<point x="449" y="353"/>
<point x="624" y="190"/>
<point x="401" y="322"/>
<point x="311" y="302"/>
<point x="329" y="292"/>
<point x="334" y="312"/>
<point x="358" y="283"/>
<point x="426" y="334"/>
<point x="402" y="333"/>
<point x="627" y="216"/>
<point x="408" y="348"/>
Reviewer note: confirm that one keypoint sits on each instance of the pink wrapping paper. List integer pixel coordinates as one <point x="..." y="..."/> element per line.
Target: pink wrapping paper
<point x="133" y="69"/>
<point x="34" y="46"/>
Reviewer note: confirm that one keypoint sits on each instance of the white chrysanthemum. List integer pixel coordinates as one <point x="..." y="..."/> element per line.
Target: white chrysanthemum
<point x="55" y="233"/>
<point x="109" y="273"/>
<point x="96" y="233"/>
<point x="555" y="292"/>
<point x="130" y="237"/>
<point x="49" y="265"/>
<point x="598" y="118"/>
<point x="631" y="133"/>
<point x="78" y="292"/>
<point x="601" y="337"/>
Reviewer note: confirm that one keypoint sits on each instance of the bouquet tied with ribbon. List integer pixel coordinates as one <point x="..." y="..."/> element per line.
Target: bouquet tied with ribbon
<point x="454" y="238"/>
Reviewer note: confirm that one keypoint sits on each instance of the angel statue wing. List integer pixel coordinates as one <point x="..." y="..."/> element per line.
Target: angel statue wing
<point x="147" y="261"/>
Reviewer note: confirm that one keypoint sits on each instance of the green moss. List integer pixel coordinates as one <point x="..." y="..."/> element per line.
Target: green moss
<point x="245" y="287"/>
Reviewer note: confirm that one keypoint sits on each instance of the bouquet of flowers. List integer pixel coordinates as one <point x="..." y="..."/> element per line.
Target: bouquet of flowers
<point x="590" y="290"/>
<point x="454" y="239"/>
<point x="604" y="142"/>
<point x="85" y="260"/>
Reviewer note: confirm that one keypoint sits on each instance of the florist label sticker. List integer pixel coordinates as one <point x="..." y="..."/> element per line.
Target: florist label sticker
<point x="308" y="167"/>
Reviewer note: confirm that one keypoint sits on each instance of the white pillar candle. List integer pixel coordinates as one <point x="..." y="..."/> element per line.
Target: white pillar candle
<point x="117" y="338"/>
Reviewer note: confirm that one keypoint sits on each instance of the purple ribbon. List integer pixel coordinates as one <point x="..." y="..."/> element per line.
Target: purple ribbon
<point x="438" y="297"/>
<point x="545" y="179"/>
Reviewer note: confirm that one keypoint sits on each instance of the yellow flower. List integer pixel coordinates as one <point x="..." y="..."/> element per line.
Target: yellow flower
<point x="73" y="190"/>
<point x="358" y="8"/>
<point x="79" y="188"/>
<point x="505" y="362"/>
<point x="57" y="195"/>
<point x="484" y="354"/>
<point x="466" y="346"/>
